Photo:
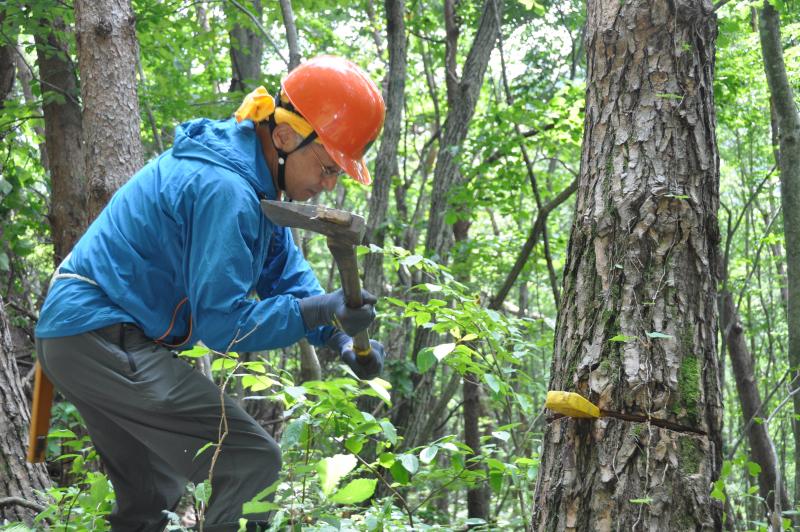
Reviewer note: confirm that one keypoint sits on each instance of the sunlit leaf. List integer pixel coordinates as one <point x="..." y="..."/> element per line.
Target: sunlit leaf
<point x="332" y="469"/>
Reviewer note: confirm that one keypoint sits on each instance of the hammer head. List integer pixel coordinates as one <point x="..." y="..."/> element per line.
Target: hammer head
<point x="340" y="226"/>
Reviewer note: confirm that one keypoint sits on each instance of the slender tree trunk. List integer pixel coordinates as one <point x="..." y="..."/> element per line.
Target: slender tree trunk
<point x="642" y="262"/>
<point x="247" y="47"/>
<point x="386" y="168"/>
<point x="761" y="449"/>
<point x="19" y="478"/>
<point x="789" y="166"/>
<point x="291" y="33"/>
<point x="478" y="495"/>
<point x="63" y="135"/>
<point x="107" y="52"/>
<point x="463" y="94"/>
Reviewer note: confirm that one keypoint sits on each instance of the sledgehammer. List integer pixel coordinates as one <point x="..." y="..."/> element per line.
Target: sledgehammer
<point x="344" y="231"/>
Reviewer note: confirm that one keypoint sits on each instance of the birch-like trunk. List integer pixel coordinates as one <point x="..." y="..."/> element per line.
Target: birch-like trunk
<point x="637" y="324"/>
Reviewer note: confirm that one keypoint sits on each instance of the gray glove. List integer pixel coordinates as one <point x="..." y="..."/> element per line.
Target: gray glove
<point x="331" y="309"/>
<point x="365" y="367"/>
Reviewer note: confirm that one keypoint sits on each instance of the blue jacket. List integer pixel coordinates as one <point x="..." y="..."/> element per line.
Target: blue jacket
<point x="180" y="247"/>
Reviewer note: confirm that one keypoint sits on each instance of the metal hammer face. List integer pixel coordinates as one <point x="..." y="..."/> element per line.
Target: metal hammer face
<point x="340" y="226"/>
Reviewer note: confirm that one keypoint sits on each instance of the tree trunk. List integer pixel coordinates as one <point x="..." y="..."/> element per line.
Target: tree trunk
<point x="463" y="95"/>
<point x="789" y="166"/>
<point x="478" y="495"/>
<point x="761" y="449"/>
<point x="247" y="47"/>
<point x="107" y="52"/>
<point x="642" y="262"/>
<point x="19" y="478"/>
<point x="386" y="168"/>
<point x="291" y="34"/>
<point x="63" y="134"/>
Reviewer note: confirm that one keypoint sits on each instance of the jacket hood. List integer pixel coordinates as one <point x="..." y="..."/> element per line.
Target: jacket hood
<point x="226" y="143"/>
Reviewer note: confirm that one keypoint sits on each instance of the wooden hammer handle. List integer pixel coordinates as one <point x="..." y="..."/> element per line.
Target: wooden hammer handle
<point x="345" y="256"/>
<point x="40" y="416"/>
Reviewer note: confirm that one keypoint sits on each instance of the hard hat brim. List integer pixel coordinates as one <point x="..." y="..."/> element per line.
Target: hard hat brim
<point x="355" y="168"/>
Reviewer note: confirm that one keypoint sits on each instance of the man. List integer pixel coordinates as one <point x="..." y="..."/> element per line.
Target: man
<point x="173" y="259"/>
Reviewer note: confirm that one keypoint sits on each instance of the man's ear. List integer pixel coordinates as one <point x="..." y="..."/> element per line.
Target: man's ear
<point x="285" y="138"/>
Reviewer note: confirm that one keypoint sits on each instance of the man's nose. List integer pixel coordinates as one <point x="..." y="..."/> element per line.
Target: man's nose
<point x="329" y="183"/>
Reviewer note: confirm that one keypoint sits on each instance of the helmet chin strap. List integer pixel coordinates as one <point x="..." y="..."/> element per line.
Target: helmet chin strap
<point x="282" y="155"/>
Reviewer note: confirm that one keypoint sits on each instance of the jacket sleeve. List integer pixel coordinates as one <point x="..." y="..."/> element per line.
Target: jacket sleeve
<point x="221" y="226"/>
<point x="287" y="272"/>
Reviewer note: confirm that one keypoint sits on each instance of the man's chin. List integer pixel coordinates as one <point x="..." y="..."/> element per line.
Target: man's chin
<point x="304" y="195"/>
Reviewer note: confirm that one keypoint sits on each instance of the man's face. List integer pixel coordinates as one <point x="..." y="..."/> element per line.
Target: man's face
<point x="309" y="171"/>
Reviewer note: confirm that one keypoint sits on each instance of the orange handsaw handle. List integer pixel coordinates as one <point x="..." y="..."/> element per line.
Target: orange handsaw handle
<point x="40" y="416"/>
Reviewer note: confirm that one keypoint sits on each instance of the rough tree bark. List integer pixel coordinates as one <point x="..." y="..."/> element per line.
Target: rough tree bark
<point x="107" y="52"/>
<point x="386" y="167"/>
<point x="19" y="479"/>
<point x="247" y="47"/>
<point x="789" y="165"/>
<point x="63" y="133"/>
<point x="642" y="262"/>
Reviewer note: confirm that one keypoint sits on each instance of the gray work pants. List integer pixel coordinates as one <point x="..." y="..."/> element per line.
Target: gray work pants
<point x="148" y="412"/>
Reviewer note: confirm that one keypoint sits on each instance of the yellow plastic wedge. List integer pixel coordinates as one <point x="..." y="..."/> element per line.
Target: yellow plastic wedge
<point x="571" y="404"/>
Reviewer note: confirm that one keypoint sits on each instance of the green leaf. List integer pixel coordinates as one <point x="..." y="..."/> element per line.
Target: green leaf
<point x="621" y="338"/>
<point x="296" y="391"/>
<point x="389" y="431"/>
<point x="355" y="443"/>
<point x="202" y="492"/>
<point x="256" y="383"/>
<point x="496" y="480"/>
<point x="196" y="352"/>
<point x="428" y="454"/>
<point x="357" y="491"/>
<point x="386" y="460"/>
<point x="411" y="260"/>
<point x="410" y="462"/>
<point x="656" y="334"/>
<point x="646" y="500"/>
<point x="399" y="473"/>
<point x="753" y="468"/>
<point x="223" y="364"/>
<point x="395" y="301"/>
<point x="293" y="432"/>
<point x="492" y="382"/>
<point x="203" y="448"/>
<point x="501" y="435"/>
<point x="719" y="491"/>
<point x="4" y="264"/>
<point x="442" y="350"/>
<point x="258" y="507"/>
<point x="422" y="318"/>
<point x="332" y="469"/>
<point x="425" y="360"/>
<point x="381" y="387"/>
<point x="61" y="433"/>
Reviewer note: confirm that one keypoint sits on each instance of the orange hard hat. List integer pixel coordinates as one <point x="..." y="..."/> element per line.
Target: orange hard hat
<point x="342" y="104"/>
